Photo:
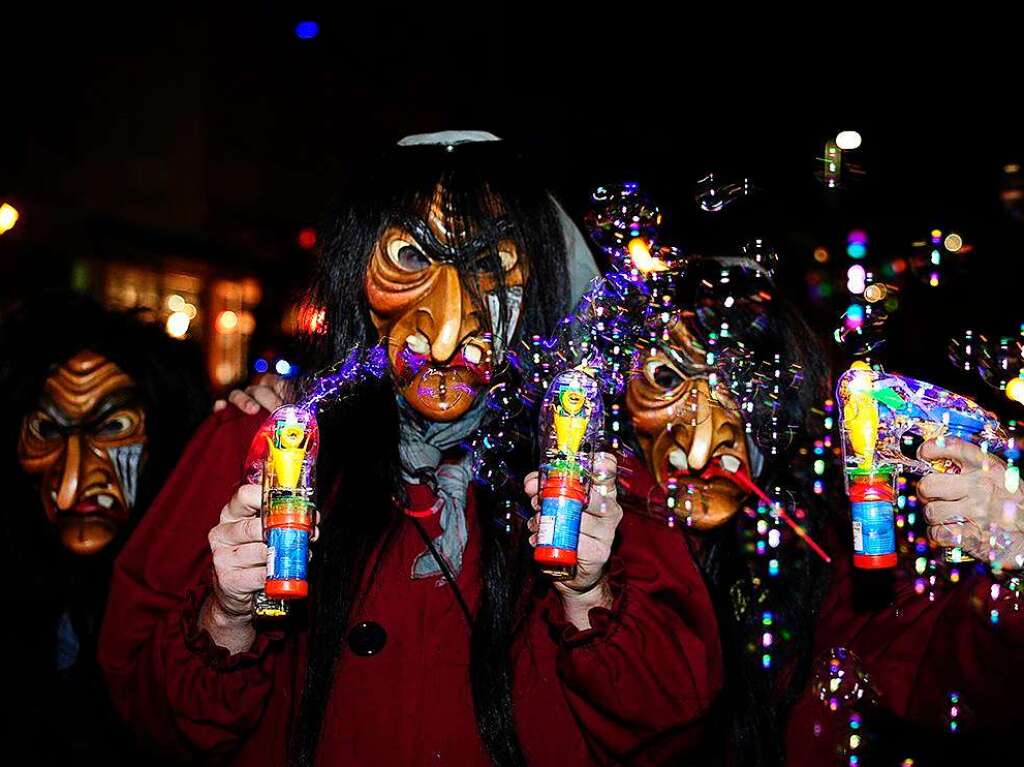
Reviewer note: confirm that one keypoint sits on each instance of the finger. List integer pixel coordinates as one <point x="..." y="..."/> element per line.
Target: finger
<point x="219" y="405"/>
<point x="242" y="555"/>
<point x="603" y="500"/>
<point x="532" y="483"/>
<point x="964" y="454"/>
<point x="265" y="397"/>
<point x="244" y="503"/>
<point x="950" y="535"/>
<point x="237" y="533"/>
<point x="606" y="468"/>
<point x="533" y="523"/>
<point x="244" y="402"/>
<point x="246" y="581"/>
<point x="533" y="540"/>
<point x="944" y="512"/>
<point x="943" y="487"/>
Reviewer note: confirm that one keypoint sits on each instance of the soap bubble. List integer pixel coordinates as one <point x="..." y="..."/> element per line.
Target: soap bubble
<point x="840" y="681"/>
<point x="714" y="193"/>
<point x="620" y="213"/>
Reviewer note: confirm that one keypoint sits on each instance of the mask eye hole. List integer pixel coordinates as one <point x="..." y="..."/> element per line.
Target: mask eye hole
<point x="662" y="375"/>
<point x="116" y="426"/>
<point x="407" y="256"/>
<point x="41" y="427"/>
<point x="507" y="260"/>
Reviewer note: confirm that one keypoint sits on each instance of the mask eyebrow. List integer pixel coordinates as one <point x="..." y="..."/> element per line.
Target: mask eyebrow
<point x="469" y="249"/>
<point x="108" y="404"/>
<point x="685" y="365"/>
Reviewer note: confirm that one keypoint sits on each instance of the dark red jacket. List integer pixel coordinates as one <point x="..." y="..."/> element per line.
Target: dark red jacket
<point x="640" y="679"/>
<point x="917" y="651"/>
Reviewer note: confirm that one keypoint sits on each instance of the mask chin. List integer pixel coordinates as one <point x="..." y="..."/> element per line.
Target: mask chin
<point x="442" y="394"/>
<point x="86" y="536"/>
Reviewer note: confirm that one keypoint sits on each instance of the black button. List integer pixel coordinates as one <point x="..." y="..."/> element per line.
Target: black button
<point x="367" y="638"/>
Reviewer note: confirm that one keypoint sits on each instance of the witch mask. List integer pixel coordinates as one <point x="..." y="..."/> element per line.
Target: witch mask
<point x="690" y="431"/>
<point x="86" y="443"/>
<point x="444" y="335"/>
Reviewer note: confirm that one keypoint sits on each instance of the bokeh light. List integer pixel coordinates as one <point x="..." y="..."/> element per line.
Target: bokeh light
<point x="177" y="324"/>
<point x="9" y="216"/>
<point x="848" y="139"/>
<point x="307" y="30"/>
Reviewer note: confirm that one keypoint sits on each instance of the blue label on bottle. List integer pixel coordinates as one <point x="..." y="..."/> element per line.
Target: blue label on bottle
<point x="287" y="554"/>
<point x="874" y="530"/>
<point x="560" y="523"/>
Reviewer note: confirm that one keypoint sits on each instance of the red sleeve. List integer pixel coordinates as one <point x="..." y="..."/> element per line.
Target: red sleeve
<point x="640" y="680"/>
<point x="920" y="650"/>
<point x="166" y="676"/>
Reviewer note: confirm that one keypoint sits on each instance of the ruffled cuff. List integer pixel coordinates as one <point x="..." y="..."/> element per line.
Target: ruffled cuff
<point x="199" y="641"/>
<point x="604" y="621"/>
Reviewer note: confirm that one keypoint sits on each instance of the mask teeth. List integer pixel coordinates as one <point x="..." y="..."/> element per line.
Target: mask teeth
<point x="417" y="344"/>
<point x="730" y="463"/>
<point x="677" y="458"/>
<point x="473" y="354"/>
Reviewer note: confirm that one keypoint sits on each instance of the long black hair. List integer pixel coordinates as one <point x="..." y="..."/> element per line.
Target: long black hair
<point x="756" y="699"/>
<point x="477" y="183"/>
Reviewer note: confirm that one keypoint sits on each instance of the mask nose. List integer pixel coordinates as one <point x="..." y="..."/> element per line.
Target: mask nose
<point x="707" y="427"/>
<point x="441" y="317"/>
<point x="71" y="475"/>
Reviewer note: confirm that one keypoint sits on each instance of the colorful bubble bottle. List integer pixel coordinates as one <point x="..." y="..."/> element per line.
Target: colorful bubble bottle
<point x="571" y="418"/>
<point x="881" y="413"/>
<point x="282" y="458"/>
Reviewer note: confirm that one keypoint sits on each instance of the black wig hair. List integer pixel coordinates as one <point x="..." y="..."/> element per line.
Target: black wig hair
<point x="35" y="337"/>
<point x="475" y="184"/>
<point x="757" y="700"/>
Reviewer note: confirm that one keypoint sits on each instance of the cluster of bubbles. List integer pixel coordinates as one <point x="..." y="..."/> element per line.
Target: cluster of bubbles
<point x="996" y="360"/>
<point x="714" y="193"/>
<point x="343" y="377"/>
<point x="621" y="213"/>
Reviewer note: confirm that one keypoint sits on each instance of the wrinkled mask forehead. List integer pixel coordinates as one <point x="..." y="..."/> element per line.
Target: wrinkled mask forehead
<point x="85" y="444"/>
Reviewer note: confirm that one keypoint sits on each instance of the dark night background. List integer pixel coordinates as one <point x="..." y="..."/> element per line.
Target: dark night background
<point x="216" y="135"/>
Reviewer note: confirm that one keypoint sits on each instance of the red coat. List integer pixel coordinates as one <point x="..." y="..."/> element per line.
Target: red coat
<point x="916" y="653"/>
<point x="647" y="670"/>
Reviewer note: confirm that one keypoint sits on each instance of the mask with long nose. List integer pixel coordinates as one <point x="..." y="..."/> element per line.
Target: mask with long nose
<point x="443" y="335"/>
<point x="692" y="434"/>
<point x="86" y="442"/>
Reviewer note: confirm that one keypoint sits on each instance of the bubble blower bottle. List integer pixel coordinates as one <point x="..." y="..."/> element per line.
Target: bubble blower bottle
<point x="879" y="414"/>
<point x="571" y="420"/>
<point x="282" y="458"/>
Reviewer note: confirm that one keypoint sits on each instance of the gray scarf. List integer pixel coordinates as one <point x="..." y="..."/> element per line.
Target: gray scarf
<point x="421" y="444"/>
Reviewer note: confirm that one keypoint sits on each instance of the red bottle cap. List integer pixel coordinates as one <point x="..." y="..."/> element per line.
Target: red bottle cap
<point x="287" y="589"/>
<point x="549" y="555"/>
